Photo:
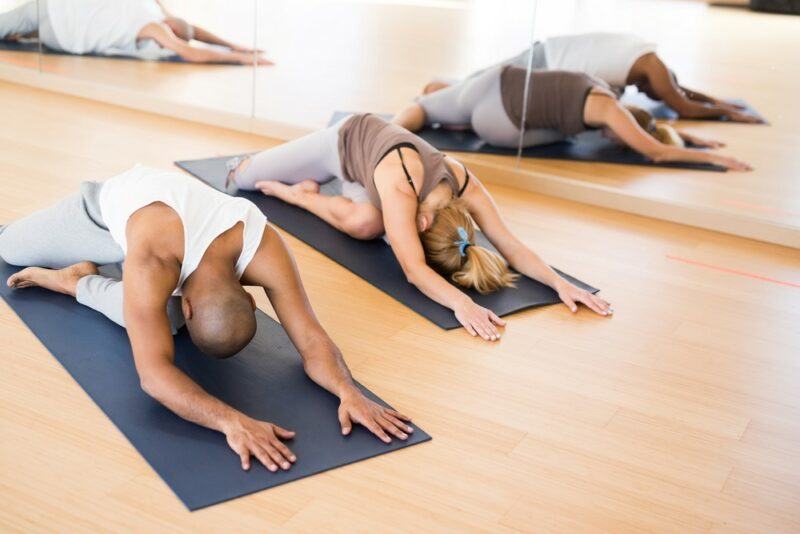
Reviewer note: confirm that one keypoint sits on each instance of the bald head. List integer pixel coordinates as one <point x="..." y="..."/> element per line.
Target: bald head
<point x="222" y="319"/>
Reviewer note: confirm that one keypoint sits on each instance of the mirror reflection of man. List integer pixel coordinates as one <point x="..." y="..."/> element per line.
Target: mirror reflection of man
<point x="140" y="28"/>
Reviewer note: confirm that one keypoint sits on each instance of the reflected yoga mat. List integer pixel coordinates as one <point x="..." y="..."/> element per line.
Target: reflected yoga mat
<point x="590" y="146"/>
<point x="33" y="46"/>
<point x="660" y="110"/>
<point x="266" y="381"/>
<point x="374" y="260"/>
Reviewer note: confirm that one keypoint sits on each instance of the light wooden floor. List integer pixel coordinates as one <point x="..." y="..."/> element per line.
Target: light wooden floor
<point x="682" y="413"/>
<point x="374" y="55"/>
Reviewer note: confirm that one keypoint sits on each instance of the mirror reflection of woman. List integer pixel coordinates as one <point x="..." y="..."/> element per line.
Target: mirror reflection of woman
<point x="427" y="205"/>
<point x="140" y="28"/>
<point x="620" y="60"/>
<point x="560" y="104"/>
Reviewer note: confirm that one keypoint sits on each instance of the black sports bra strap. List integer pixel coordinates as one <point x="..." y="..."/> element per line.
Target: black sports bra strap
<point x="403" y="163"/>
<point x="466" y="180"/>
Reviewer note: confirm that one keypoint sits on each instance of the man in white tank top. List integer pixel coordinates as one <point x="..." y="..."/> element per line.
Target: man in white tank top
<point x="188" y="250"/>
<point x="135" y="28"/>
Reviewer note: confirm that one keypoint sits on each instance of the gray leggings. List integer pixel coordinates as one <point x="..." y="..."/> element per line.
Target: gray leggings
<point x="21" y="20"/>
<point x="312" y="157"/>
<point x="478" y="102"/>
<point x="27" y="18"/>
<point x="70" y="232"/>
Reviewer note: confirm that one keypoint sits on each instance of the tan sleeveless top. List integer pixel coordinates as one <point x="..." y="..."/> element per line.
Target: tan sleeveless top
<point x="556" y="98"/>
<point x="365" y="139"/>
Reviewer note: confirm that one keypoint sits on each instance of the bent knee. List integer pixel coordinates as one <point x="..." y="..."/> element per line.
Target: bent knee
<point x="362" y="226"/>
<point x="9" y="252"/>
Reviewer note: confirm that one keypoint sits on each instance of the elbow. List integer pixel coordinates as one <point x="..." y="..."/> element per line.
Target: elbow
<point x="149" y="385"/>
<point x="657" y="154"/>
<point x="415" y="274"/>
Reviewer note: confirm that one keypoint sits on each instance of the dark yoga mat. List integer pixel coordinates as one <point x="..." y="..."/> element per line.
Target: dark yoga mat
<point x="32" y="46"/>
<point x="660" y="110"/>
<point x="374" y="260"/>
<point x="590" y="146"/>
<point x="265" y="381"/>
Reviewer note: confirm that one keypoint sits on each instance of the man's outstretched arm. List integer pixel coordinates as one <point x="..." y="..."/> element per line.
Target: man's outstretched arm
<point x="148" y="285"/>
<point x="166" y="38"/>
<point x="273" y="268"/>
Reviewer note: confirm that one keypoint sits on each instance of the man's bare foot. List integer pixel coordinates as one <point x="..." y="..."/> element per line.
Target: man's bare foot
<point x="60" y="280"/>
<point x="287" y="193"/>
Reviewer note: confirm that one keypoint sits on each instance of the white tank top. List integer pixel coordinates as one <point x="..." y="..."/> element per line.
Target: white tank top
<point x="608" y="56"/>
<point x="204" y="212"/>
<point x="98" y="26"/>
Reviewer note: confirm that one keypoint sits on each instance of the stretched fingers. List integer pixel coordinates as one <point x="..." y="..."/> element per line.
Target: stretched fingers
<point x="391" y="428"/>
<point x="398" y="423"/>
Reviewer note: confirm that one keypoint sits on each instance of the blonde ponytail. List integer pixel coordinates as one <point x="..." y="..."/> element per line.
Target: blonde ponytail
<point x="664" y="133"/>
<point x="668" y="135"/>
<point x="450" y="249"/>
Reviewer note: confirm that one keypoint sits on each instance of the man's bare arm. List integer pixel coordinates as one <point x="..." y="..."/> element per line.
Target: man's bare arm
<point x="273" y="268"/>
<point x="148" y="284"/>
<point x="165" y="37"/>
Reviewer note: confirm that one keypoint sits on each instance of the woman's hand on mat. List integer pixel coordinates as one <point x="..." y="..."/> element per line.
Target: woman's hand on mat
<point x="571" y="295"/>
<point x="249" y="437"/>
<point x="730" y="163"/>
<point x="478" y="320"/>
<point x="381" y="421"/>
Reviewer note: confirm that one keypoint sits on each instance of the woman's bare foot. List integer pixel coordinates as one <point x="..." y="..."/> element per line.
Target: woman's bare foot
<point x="287" y="193"/>
<point x="434" y="86"/>
<point x="60" y="280"/>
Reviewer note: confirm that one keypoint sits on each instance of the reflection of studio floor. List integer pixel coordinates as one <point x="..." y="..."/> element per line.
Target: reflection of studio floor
<point x="378" y="54"/>
<point x="679" y="414"/>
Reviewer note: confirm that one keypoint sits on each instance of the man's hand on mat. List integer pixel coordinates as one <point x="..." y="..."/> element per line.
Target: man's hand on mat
<point x="742" y="116"/>
<point x="249" y="437"/>
<point x="571" y="295"/>
<point x="478" y="320"/>
<point x="381" y="421"/>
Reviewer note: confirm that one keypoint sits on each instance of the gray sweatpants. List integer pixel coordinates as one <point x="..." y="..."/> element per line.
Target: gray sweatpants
<point x="21" y="20"/>
<point x="70" y="232"/>
<point x="477" y="101"/>
<point x="312" y="157"/>
<point x="27" y="18"/>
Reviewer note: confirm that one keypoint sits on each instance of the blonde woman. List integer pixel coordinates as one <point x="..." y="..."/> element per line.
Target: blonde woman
<point x="560" y="104"/>
<point x="622" y="59"/>
<point x="425" y="203"/>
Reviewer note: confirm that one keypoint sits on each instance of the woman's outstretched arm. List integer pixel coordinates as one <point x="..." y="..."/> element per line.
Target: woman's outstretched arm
<point x="483" y="209"/>
<point x="399" y="219"/>
<point x="602" y="109"/>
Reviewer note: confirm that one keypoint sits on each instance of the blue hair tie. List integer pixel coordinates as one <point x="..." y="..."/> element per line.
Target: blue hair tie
<point x="463" y="241"/>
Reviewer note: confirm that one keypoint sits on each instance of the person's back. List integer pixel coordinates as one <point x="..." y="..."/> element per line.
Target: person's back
<point x="204" y="213"/>
<point x="607" y="56"/>
<point x="98" y="26"/>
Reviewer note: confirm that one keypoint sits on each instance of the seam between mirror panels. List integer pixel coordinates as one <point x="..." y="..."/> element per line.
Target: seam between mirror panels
<point x="528" y="88"/>
<point x="254" y="67"/>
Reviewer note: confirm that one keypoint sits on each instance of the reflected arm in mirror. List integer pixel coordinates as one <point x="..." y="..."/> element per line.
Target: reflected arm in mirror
<point x="660" y="83"/>
<point x="603" y="110"/>
<point x="165" y="37"/>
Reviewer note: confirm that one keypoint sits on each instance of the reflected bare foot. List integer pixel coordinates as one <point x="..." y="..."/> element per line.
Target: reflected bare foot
<point x="59" y="280"/>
